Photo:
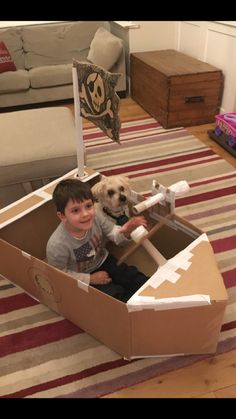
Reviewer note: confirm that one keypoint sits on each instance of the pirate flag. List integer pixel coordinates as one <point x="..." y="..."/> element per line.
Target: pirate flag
<point x="99" y="102"/>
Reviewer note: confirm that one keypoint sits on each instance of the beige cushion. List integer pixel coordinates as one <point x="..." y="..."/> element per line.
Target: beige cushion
<point x="57" y="43"/>
<point x="14" y="81"/>
<point x="37" y="143"/>
<point x="105" y="49"/>
<point x="50" y="75"/>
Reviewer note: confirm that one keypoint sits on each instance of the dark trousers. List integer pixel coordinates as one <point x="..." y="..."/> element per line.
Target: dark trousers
<point x="126" y="280"/>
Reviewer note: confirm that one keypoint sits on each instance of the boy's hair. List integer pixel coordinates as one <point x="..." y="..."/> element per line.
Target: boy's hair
<point x="68" y="189"/>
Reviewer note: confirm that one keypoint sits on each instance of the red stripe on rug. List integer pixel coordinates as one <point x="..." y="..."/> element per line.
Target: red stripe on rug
<point x="132" y="141"/>
<point x="37" y="336"/>
<point x="222" y="245"/>
<point x="207" y="213"/>
<point x="123" y="130"/>
<point x="163" y="162"/>
<point x="213" y="180"/>
<point x="16" y="302"/>
<point x="229" y="278"/>
<point x="205" y="196"/>
<point x="128" y="121"/>
<point x="123" y="170"/>
<point x="228" y="326"/>
<point x="69" y="378"/>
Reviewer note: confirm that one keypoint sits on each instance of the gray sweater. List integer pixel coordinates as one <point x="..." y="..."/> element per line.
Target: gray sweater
<point x="79" y="257"/>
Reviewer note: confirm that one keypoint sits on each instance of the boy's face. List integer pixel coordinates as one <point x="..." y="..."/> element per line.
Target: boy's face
<point x="78" y="216"/>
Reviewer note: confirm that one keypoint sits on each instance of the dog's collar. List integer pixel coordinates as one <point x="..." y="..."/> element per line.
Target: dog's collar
<point x="120" y="220"/>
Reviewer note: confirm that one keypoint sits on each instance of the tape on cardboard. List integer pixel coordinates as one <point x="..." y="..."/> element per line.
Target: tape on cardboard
<point x="26" y="255"/>
<point x="142" y="303"/>
<point x="169" y="272"/>
<point x="33" y="200"/>
<point x="180" y="261"/>
<point x="43" y="194"/>
<point x="19" y="208"/>
<point x="82" y="285"/>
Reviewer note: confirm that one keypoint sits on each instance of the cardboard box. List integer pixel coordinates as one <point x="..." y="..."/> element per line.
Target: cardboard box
<point x="178" y="311"/>
<point x="176" y="89"/>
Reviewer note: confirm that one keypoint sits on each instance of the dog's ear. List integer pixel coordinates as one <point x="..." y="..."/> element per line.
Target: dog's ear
<point x="97" y="189"/>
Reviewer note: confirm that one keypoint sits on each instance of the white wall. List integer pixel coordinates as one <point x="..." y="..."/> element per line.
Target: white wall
<point x="144" y="36"/>
<point x="152" y="35"/>
<point x="214" y="43"/>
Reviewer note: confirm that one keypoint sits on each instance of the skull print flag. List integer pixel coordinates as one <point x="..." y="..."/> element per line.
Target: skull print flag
<point x="96" y="100"/>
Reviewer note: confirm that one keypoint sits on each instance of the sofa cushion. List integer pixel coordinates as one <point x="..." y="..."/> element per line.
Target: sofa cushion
<point x="50" y="75"/>
<point x="13" y="41"/>
<point x="44" y="144"/>
<point x="105" y="49"/>
<point x="6" y="62"/>
<point x="14" y="81"/>
<point x="57" y="43"/>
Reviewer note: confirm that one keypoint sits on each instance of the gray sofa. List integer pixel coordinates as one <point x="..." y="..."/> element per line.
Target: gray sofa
<point x="43" y="57"/>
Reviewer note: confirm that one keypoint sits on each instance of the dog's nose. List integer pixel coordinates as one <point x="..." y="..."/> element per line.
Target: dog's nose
<point x="122" y="198"/>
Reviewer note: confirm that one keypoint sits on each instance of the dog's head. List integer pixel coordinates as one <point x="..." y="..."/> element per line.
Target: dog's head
<point x="112" y="192"/>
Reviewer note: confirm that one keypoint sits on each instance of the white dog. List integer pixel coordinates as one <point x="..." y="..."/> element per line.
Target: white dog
<point x="113" y="195"/>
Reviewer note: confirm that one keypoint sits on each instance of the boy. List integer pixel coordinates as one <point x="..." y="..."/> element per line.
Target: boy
<point x="77" y="245"/>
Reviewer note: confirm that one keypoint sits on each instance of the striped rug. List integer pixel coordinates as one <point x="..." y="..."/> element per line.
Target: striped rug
<point x="44" y="355"/>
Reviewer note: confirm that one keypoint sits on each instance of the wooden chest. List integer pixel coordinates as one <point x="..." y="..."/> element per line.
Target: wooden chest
<point x="176" y="89"/>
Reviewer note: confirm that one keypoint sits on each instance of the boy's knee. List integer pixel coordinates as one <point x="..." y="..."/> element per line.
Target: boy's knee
<point x="114" y="290"/>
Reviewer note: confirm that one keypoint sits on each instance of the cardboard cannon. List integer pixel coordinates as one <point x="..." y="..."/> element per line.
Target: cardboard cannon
<point x="160" y="195"/>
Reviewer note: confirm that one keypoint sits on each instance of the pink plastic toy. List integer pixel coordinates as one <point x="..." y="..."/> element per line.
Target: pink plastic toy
<point x="227" y="123"/>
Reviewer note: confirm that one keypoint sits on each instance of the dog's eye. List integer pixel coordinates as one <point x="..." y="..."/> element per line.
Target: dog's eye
<point x="110" y="192"/>
<point x="121" y="188"/>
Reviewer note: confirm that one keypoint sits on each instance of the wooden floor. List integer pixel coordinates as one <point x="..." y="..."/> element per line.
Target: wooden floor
<point x="212" y="378"/>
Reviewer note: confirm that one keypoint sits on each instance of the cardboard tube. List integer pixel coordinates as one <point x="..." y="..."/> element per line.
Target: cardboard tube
<point x="149" y="202"/>
<point x="154" y="253"/>
<point x="141" y="232"/>
<point x="138" y="234"/>
<point x="179" y="188"/>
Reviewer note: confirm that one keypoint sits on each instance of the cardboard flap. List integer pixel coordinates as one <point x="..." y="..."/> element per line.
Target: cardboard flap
<point x="189" y="278"/>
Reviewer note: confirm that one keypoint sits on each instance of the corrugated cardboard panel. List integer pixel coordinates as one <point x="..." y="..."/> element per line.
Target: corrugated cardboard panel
<point x="95" y="312"/>
<point x="139" y="332"/>
<point x="201" y="277"/>
<point x="100" y="315"/>
<point x="183" y="331"/>
<point x="19" y="207"/>
<point x="15" y="265"/>
<point x="31" y="232"/>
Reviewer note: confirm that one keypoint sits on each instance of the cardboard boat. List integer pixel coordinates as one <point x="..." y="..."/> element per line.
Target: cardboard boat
<point x="178" y="311"/>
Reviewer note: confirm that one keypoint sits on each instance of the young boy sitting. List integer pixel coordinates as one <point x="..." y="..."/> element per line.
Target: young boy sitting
<point x="77" y="246"/>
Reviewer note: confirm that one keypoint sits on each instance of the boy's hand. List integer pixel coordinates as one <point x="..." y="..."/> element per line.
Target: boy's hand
<point x="100" y="277"/>
<point x="132" y="224"/>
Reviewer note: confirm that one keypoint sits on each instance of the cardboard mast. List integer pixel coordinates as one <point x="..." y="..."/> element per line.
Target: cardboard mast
<point x="78" y="125"/>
